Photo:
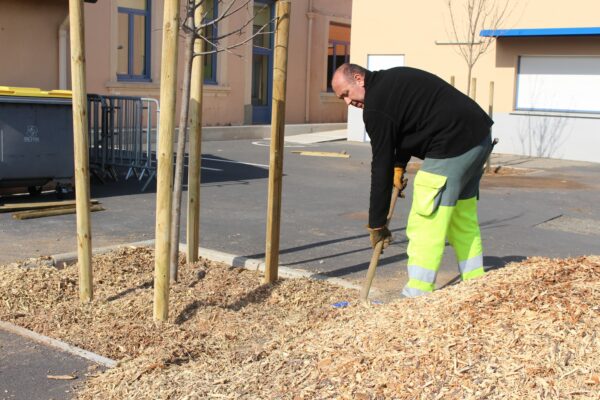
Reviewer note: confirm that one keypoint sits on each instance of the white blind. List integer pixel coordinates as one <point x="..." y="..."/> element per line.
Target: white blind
<point x="559" y="83"/>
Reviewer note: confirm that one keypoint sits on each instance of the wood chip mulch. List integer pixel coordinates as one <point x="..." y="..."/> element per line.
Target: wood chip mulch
<point x="529" y="330"/>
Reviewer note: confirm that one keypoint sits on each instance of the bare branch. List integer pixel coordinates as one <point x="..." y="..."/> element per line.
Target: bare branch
<point x="225" y="14"/>
<point x="240" y="30"/>
<point x="479" y="14"/>
<point x="233" y="46"/>
<point x="213" y="42"/>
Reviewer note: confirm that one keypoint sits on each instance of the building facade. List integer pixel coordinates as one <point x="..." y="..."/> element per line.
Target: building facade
<point x="544" y="62"/>
<point x="123" y="50"/>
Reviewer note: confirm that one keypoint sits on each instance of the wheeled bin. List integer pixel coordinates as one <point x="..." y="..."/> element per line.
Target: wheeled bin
<point x="36" y="137"/>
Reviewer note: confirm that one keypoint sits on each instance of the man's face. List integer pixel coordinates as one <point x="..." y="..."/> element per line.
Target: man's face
<point x="352" y="92"/>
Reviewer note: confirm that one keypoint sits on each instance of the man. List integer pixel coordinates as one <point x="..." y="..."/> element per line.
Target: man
<point x="409" y="112"/>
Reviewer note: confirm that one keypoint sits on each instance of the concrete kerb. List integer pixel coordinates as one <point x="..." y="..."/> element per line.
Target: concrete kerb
<point x="67" y="348"/>
<point x="64" y="259"/>
<point x="259" y="265"/>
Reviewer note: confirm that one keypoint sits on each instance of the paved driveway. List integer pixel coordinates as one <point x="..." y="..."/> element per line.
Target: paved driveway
<point x="549" y="211"/>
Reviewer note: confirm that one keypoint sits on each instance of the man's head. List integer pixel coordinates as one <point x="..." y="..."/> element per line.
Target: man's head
<point x="348" y="83"/>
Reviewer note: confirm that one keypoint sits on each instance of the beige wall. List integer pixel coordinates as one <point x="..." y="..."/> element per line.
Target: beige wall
<point x="225" y="102"/>
<point x="29" y="42"/>
<point x="323" y="106"/>
<point x="412" y="29"/>
<point x="29" y="39"/>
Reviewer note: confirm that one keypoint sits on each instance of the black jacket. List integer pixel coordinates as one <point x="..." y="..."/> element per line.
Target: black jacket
<point x="409" y="112"/>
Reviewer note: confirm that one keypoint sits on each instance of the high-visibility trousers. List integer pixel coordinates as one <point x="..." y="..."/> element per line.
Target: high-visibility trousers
<point x="444" y="207"/>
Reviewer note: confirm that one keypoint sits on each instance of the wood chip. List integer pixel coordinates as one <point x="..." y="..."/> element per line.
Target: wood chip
<point x="529" y="330"/>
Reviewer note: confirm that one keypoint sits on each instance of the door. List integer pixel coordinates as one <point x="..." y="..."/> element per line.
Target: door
<point x="262" y="62"/>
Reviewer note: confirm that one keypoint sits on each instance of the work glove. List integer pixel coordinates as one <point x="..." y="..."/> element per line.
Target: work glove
<point x="399" y="180"/>
<point x="379" y="234"/>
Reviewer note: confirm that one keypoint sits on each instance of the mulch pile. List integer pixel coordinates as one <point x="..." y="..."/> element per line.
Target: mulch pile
<point x="530" y="330"/>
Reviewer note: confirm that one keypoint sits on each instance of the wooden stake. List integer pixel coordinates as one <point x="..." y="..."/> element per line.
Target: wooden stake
<point x="195" y="158"/>
<point x="452" y="80"/>
<point x="168" y="91"/>
<point x="81" y="150"/>
<point x="474" y="88"/>
<point x="488" y="163"/>
<point x="283" y="8"/>
<point x="491" y="103"/>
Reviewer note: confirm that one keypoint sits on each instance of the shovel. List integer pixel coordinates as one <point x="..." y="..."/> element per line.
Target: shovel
<point x="364" y="294"/>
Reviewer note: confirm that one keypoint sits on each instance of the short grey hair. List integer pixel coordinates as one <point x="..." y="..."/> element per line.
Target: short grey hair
<point x="349" y="70"/>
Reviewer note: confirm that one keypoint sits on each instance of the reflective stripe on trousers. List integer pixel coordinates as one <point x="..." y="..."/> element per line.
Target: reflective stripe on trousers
<point x="427" y="240"/>
<point x="465" y="238"/>
<point x="471" y="268"/>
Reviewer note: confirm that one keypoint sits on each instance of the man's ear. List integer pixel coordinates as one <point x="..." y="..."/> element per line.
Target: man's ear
<point x="359" y="79"/>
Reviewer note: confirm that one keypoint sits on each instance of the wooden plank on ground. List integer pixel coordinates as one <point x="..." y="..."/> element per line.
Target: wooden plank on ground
<point x="322" y="153"/>
<point x="32" y="206"/>
<point x="49" y="212"/>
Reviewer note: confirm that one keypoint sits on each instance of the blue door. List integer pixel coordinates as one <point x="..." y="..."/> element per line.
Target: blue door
<point x="262" y="63"/>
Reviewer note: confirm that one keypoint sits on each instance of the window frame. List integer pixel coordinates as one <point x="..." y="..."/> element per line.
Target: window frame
<point x="212" y="80"/>
<point x="147" y="13"/>
<point x="334" y="44"/>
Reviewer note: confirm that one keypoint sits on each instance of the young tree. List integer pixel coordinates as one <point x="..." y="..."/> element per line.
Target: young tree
<point x="467" y="19"/>
<point x="214" y="41"/>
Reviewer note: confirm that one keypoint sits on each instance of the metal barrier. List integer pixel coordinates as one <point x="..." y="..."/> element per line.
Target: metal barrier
<point x="122" y="132"/>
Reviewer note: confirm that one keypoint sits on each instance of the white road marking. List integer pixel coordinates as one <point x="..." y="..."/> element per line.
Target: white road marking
<point x="212" y="169"/>
<point x="235" y="162"/>
<point x="285" y="144"/>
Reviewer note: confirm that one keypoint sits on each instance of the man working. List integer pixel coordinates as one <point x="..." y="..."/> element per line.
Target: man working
<point x="409" y="112"/>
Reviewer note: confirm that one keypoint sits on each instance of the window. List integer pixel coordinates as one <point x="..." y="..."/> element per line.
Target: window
<point x="133" y="51"/>
<point x="262" y="55"/>
<point x="558" y="83"/>
<point x="338" y="51"/>
<point x="209" y="68"/>
<point x="261" y="22"/>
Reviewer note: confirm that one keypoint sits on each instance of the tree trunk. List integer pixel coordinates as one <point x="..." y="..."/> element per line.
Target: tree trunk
<point x="469" y="73"/>
<point x="195" y="149"/>
<point x="179" y="160"/>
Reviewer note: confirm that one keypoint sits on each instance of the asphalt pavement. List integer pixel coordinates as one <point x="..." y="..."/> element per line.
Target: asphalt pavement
<point x="32" y="371"/>
<point x="532" y="207"/>
<point x="541" y="209"/>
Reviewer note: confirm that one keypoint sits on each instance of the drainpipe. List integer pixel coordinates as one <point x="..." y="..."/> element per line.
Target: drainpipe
<point x="310" y="17"/>
<point x="63" y="31"/>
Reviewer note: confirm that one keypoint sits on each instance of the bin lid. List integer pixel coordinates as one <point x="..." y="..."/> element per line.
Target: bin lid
<point x="34" y="92"/>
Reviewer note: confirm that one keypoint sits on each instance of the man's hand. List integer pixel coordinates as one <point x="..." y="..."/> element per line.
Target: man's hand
<point x="379" y="234"/>
<point x="399" y="180"/>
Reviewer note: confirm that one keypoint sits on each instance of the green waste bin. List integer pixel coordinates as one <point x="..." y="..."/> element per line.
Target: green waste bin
<point x="36" y="137"/>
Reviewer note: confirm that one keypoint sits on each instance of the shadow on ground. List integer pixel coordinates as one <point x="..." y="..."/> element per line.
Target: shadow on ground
<point x="215" y="171"/>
